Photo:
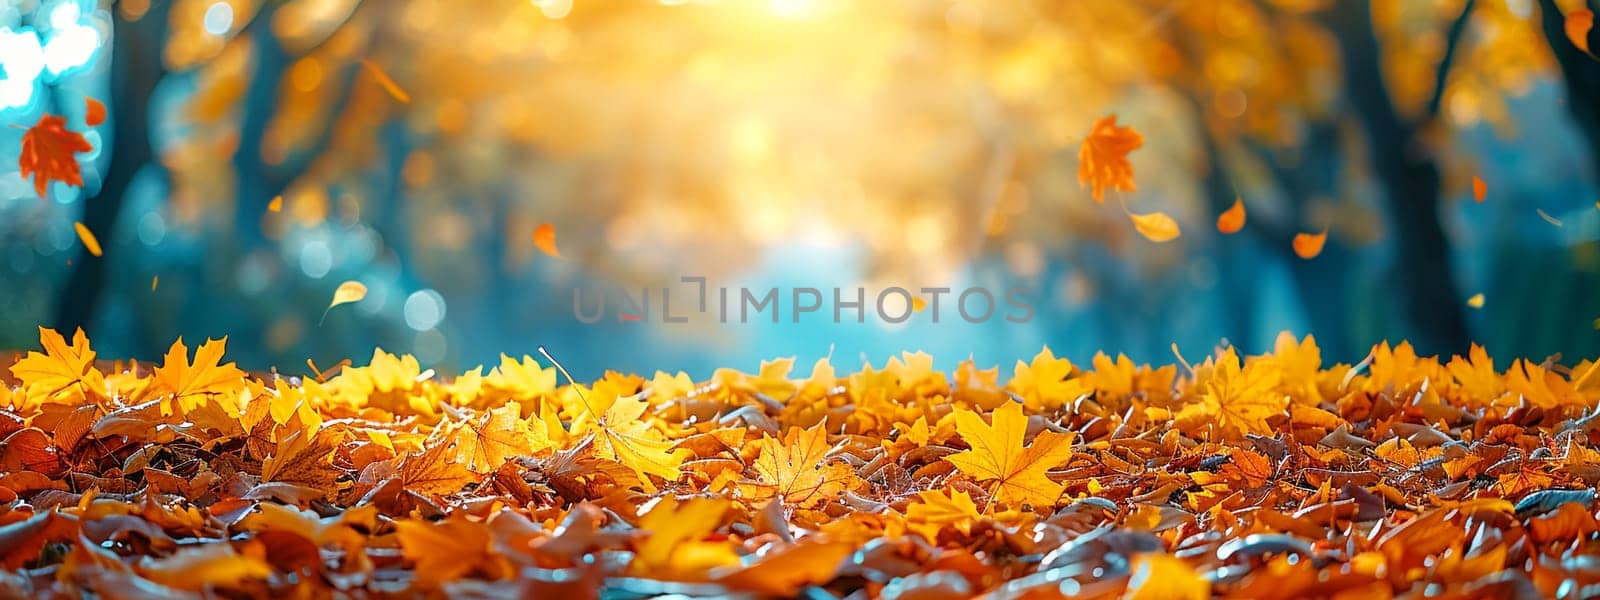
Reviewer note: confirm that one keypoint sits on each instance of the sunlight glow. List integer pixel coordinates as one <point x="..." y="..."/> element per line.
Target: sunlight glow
<point x="21" y="60"/>
<point x="219" y="18"/>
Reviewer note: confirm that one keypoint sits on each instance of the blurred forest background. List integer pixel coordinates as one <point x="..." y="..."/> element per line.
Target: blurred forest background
<point x="816" y="143"/>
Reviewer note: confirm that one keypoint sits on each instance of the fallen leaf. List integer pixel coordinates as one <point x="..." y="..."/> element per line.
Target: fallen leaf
<point x="784" y="573"/>
<point x="1231" y="221"/>
<point x="798" y="467"/>
<point x="1578" y="24"/>
<point x="999" y="455"/>
<point x="1165" y="577"/>
<point x="1156" y="227"/>
<point x="1309" y="245"/>
<point x="191" y="384"/>
<point x="544" y="238"/>
<point x="1103" y="157"/>
<point x="675" y="544"/>
<point x="431" y="470"/>
<point x="62" y="371"/>
<point x="89" y="242"/>
<point x="49" y="152"/>
<point x="448" y="550"/>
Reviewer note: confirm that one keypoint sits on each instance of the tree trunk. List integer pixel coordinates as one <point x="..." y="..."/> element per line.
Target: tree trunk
<point x="1580" y="72"/>
<point x="136" y="68"/>
<point x="1410" y="180"/>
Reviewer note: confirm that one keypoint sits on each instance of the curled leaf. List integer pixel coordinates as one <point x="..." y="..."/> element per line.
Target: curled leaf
<point x="1156" y="227"/>
<point x="89" y="242"/>
<point x="1578" y="24"/>
<point x="388" y="84"/>
<point x="1232" y="220"/>
<point x="544" y="238"/>
<point x="1309" y="245"/>
<point x="94" y="113"/>
<point x="349" y="291"/>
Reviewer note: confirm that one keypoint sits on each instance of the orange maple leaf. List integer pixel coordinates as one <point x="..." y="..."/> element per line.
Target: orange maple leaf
<point x="48" y="152"/>
<point x="1103" y="157"/>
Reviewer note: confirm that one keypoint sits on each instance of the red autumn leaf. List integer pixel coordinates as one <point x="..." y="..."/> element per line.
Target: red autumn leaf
<point x="49" y="152"/>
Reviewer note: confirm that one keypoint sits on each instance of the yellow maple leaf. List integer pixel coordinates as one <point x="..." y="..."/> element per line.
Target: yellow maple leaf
<point x="936" y="510"/>
<point x="431" y="470"/>
<point x="1236" y="400"/>
<point x="998" y="455"/>
<point x="63" y="372"/>
<point x="1475" y="375"/>
<point x="192" y="383"/>
<point x="622" y="435"/>
<point x="1165" y="577"/>
<point x="1044" y="383"/>
<point x="797" y="468"/>
<point x="488" y="441"/>
<point x="302" y="458"/>
<point x="675" y="546"/>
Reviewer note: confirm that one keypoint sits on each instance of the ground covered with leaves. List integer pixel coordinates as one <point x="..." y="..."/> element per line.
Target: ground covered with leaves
<point x="1274" y="476"/>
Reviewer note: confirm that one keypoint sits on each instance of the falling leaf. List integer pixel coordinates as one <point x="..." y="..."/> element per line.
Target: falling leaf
<point x="1547" y="218"/>
<point x="1578" y="24"/>
<point x="49" y="152"/>
<point x="1476" y="301"/>
<point x="918" y="304"/>
<point x="1480" y="190"/>
<point x="94" y="113"/>
<point x="386" y="82"/>
<point x="544" y="238"/>
<point x="155" y="280"/>
<point x="89" y="242"/>
<point x="349" y="291"/>
<point x="1309" y="245"/>
<point x="1231" y="221"/>
<point x="1103" y="157"/>
<point x="999" y="455"/>
<point x="276" y="205"/>
<point x="1156" y="227"/>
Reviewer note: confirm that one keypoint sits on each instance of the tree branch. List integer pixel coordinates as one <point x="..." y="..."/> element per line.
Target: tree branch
<point x="1458" y="30"/>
